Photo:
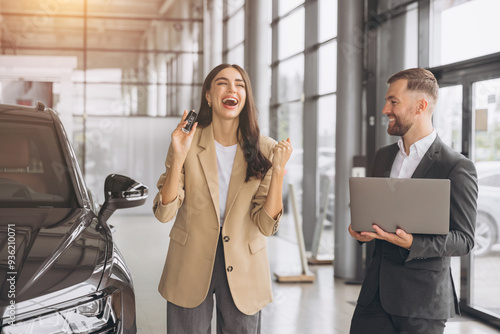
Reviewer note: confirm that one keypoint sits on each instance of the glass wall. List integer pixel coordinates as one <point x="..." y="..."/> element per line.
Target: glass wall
<point x="134" y="62"/>
<point x="288" y="86"/>
<point x="457" y="34"/>
<point x="469" y="107"/>
<point x="447" y="117"/>
<point x="291" y="51"/>
<point x="485" y="290"/>
<point x="234" y="32"/>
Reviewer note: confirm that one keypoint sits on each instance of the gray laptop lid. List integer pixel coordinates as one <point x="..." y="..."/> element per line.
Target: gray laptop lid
<point x="415" y="205"/>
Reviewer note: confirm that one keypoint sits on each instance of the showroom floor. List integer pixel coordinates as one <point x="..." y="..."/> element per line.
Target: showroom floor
<point x="322" y="307"/>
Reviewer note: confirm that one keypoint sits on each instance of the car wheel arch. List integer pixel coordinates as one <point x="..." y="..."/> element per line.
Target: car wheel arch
<point x="487" y="220"/>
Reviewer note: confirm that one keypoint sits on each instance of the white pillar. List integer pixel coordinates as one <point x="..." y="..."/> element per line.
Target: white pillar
<point x="348" y="133"/>
<point x="212" y="34"/>
<point x="258" y="57"/>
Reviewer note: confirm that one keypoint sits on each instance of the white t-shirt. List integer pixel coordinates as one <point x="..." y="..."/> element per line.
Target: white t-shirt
<point x="225" y="160"/>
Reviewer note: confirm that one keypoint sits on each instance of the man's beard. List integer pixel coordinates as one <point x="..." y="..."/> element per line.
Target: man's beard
<point x="400" y="126"/>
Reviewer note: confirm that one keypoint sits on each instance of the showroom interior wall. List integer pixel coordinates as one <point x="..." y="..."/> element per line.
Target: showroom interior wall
<point x="138" y="65"/>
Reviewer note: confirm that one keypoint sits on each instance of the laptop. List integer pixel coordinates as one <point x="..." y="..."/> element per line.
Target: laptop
<point x="415" y="205"/>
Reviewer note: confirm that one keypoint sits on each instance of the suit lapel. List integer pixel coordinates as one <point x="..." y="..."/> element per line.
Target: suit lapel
<point x="389" y="161"/>
<point x="238" y="176"/>
<point x="428" y="159"/>
<point x="208" y="161"/>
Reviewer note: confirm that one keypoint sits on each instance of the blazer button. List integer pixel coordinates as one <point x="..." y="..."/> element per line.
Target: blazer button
<point x="230" y="268"/>
<point x="226" y="238"/>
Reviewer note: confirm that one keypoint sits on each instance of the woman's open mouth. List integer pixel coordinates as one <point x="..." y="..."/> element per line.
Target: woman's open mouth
<point x="230" y="101"/>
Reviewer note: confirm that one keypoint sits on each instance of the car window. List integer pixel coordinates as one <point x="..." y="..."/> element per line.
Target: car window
<point x="491" y="181"/>
<point x="33" y="172"/>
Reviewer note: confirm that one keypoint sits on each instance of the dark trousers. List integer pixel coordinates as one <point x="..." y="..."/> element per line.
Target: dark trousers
<point x="198" y="320"/>
<point x="373" y="319"/>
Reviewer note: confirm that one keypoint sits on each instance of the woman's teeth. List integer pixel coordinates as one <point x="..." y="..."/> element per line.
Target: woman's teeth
<point x="230" y="101"/>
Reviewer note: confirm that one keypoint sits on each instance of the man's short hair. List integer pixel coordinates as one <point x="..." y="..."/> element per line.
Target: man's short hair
<point x="419" y="79"/>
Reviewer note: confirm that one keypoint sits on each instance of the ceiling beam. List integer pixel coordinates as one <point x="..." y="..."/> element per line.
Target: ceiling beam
<point x="166" y="6"/>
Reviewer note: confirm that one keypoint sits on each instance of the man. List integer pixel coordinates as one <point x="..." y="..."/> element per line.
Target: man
<point x="408" y="286"/>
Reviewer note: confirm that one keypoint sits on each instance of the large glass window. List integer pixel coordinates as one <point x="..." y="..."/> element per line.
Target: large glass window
<point x="236" y="55"/>
<point x="463" y="29"/>
<point x="234" y="5"/>
<point x="290" y="126"/>
<point x="447" y="116"/>
<point x="286" y="6"/>
<point x="131" y="58"/>
<point x="291" y="34"/>
<point x="327" y="106"/>
<point x="328" y="68"/>
<point x="298" y="94"/>
<point x="291" y="79"/>
<point x="327" y="19"/>
<point x="486" y="260"/>
<point x="472" y="101"/>
<point x="236" y="27"/>
<point x="234" y="32"/>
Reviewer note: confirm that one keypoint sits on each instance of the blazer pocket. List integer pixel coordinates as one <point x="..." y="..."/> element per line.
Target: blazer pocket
<point x="257" y="244"/>
<point x="178" y="235"/>
<point x="434" y="264"/>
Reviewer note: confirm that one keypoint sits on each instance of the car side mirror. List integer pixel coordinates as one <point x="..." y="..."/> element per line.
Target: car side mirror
<point x="121" y="192"/>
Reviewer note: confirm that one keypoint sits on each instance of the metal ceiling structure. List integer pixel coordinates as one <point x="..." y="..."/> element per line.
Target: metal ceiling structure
<point x="71" y="27"/>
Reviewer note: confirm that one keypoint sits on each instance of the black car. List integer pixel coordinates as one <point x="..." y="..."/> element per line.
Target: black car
<point x="60" y="271"/>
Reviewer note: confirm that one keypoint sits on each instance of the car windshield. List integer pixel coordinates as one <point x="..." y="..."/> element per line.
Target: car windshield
<point x="33" y="172"/>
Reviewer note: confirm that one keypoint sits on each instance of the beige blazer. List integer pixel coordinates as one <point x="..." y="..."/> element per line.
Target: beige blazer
<point x="193" y="240"/>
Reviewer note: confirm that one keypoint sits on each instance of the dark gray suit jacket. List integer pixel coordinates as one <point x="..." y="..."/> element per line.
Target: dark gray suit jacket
<point x="418" y="283"/>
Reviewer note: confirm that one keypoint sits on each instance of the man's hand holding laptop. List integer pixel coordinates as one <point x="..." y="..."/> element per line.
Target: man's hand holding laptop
<point x="400" y="238"/>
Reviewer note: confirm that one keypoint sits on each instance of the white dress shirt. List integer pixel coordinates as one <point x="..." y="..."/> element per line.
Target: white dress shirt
<point x="405" y="164"/>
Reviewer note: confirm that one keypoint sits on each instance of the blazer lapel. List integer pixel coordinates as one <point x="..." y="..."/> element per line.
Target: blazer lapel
<point x="428" y="159"/>
<point x="385" y="171"/>
<point x="208" y="161"/>
<point x="238" y="176"/>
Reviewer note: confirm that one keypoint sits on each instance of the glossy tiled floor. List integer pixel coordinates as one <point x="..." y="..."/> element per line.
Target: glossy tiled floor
<point x="322" y="307"/>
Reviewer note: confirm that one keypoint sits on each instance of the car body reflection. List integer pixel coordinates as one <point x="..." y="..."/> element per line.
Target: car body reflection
<point x="60" y="271"/>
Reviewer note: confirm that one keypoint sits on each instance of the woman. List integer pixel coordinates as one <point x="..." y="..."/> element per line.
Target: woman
<point x="224" y="181"/>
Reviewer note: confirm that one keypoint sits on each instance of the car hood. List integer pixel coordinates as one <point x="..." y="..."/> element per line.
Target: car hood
<point x="59" y="255"/>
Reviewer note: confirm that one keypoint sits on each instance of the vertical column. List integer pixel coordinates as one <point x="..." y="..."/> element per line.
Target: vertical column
<point x="424" y="18"/>
<point x="161" y="66"/>
<point x="151" y="75"/>
<point x="212" y="34"/>
<point x="348" y="131"/>
<point x="257" y="57"/>
<point x="310" y="198"/>
<point x="185" y="59"/>
<point x="273" y="110"/>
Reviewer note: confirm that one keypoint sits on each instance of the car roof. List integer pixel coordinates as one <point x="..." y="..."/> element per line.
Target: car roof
<point x="22" y="113"/>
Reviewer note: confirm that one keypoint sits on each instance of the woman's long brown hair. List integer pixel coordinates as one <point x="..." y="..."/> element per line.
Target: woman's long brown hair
<point x="248" y="128"/>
